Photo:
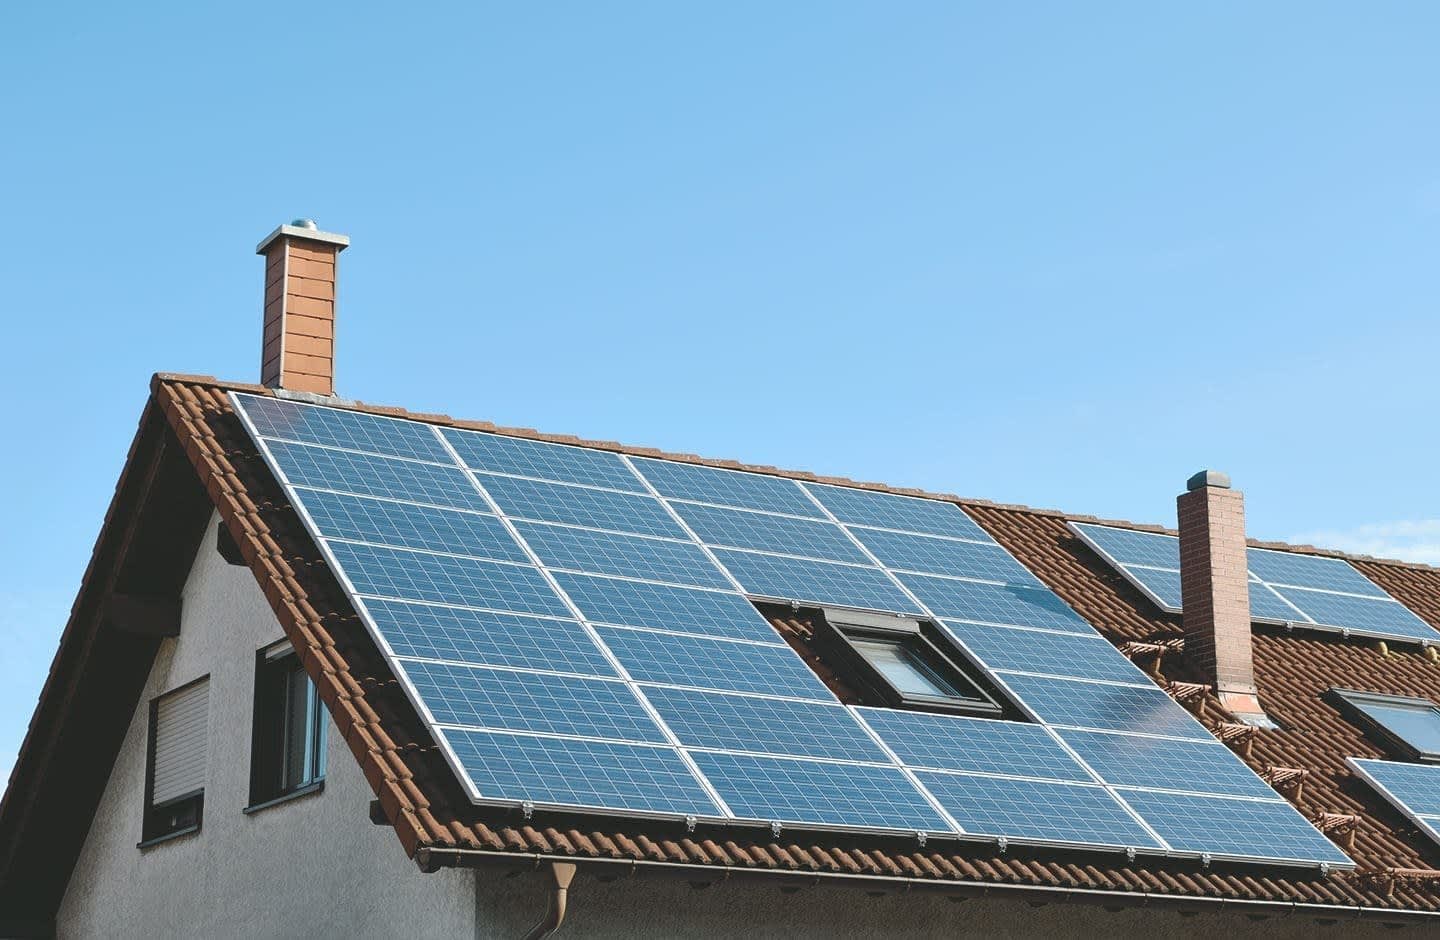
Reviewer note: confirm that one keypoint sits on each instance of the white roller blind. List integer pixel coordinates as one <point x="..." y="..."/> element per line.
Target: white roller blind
<point x="180" y="737"/>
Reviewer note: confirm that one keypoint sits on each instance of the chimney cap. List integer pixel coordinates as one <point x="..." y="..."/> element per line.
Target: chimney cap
<point x="1208" y="478"/>
<point x="304" y="230"/>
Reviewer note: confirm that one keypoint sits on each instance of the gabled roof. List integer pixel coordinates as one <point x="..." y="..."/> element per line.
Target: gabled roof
<point x="419" y="797"/>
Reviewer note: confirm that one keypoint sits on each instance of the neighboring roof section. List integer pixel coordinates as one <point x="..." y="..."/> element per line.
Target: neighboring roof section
<point x="438" y="825"/>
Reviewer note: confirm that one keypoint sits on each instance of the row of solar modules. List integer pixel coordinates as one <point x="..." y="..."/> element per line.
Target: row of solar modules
<point x="1413" y="789"/>
<point x="1285" y="587"/>
<point x="527" y="735"/>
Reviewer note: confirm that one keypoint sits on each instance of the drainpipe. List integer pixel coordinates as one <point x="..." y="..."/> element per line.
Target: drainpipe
<point x="564" y="873"/>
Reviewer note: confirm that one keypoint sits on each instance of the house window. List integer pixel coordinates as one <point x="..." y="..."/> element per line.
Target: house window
<point x="287" y="742"/>
<point x="175" y="767"/>
<point x="902" y="663"/>
<point x="1407" y="727"/>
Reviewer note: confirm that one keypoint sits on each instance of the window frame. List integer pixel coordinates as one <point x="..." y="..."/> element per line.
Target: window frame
<point x="153" y="826"/>
<point x="837" y="630"/>
<point x="1348" y="702"/>
<point x="275" y="664"/>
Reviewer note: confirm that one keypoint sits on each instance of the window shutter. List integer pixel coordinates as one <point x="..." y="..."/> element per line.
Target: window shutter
<point x="180" y="739"/>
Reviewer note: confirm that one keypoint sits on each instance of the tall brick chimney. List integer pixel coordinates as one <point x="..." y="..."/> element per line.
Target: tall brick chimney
<point x="1215" y="592"/>
<point x="298" y="346"/>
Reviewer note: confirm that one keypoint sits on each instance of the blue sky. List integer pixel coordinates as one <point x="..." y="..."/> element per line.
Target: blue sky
<point x="1062" y="255"/>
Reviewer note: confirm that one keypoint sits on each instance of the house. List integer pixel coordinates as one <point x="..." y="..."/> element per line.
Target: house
<point x="343" y="670"/>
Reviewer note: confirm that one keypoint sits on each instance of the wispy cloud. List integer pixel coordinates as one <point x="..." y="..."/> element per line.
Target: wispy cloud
<point x="1415" y="540"/>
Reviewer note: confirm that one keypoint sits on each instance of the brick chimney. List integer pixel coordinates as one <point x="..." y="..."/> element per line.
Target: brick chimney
<point x="298" y="347"/>
<point x="1215" y="592"/>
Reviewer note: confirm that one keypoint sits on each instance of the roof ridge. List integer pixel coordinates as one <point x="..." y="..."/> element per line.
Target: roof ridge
<point x="770" y="470"/>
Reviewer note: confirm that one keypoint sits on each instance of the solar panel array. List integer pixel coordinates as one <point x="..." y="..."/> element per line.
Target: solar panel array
<point x="576" y="627"/>
<point x="1413" y="789"/>
<point x="1285" y="587"/>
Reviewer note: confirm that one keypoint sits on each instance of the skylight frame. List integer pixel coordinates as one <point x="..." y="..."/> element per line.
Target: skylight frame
<point x="1350" y="702"/>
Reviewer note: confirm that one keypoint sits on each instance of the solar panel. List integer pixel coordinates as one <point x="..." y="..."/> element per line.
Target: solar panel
<point x="1234" y="827"/>
<point x="764" y="725"/>
<point x="580" y="505"/>
<point x="1051" y="654"/>
<point x="723" y="665"/>
<point x="1129" y="547"/>
<point x="455" y="634"/>
<point x="352" y="430"/>
<point x="588" y="774"/>
<point x="738" y="528"/>
<point x="625" y="555"/>
<point x="790" y="790"/>
<point x="995" y="603"/>
<point x="816" y="582"/>
<point x="726" y="487"/>
<point x="905" y="513"/>
<point x="1321" y="592"/>
<point x="499" y="454"/>
<point x="977" y="745"/>
<point x="322" y="468"/>
<point x="665" y="607"/>
<point x="1310" y="571"/>
<point x="509" y="700"/>
<point x="1141" y="709"/>
<point x="934" y="555"/>
<point x="1036" y="810"/>
<point x="533" y="705"/>
<point x="1370" y="615"/>
<point x="1163" y="764"/>
<point x="1412" y="788"/>
<point x="406" y="525"/>
<point x="446" y="579"/>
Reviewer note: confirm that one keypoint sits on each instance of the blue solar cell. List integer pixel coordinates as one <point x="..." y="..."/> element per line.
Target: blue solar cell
<point x="949" y="742"/>
<point x="1310" y="571"/>
<point x="1031" y="809"/>
<point x="485" y="638"/>
<point x="599" y="774"/>
<point x="1234" y="827"/>
<point x="355" y="430"/>
<point x="625" y="555"/>
<point x="1265" y="604"/>
<point x="306" y="465"/>
<point x="1363" y="614"/>
<point x="504" y="700"/>
<point x="805" y="791"/>
<point x="713" y="664"/>
<point x="1128" y="547"/>
<point x="765" y="725"/>
<point x="1158" y="763"/>
<point x="1106" y="707"/>
<point x="1416" y="786"/>
<point x="994" y="603"/>
<point x="1165" y="585"/>
<point x="580" y="505"/>
<point x="405" y="525"/>
<point x="664" y="607"/>
<point x="935" y="555"/>
<point x="739" y="528"/>
<point x="446" y="579"/>
<point x="1054" y="654"/>
<point x="726" y="487"/>
<point x="499" y="454"/>
<point x="906" y="513"/>
<point x="820" y="582"/>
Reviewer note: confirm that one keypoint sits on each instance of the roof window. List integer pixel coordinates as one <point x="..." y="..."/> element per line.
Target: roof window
<point x="1407" y="727"/>
<point x="902" y="663"/>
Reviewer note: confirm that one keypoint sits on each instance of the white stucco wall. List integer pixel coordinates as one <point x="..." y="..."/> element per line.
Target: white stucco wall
<point x="313" y="866"/>
<point x="317" y="867"/>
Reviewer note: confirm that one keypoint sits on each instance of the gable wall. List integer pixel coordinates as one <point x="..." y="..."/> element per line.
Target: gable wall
<point x="313" y="865"/>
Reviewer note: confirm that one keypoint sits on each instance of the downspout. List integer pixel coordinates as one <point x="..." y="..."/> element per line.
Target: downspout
<point x="564" y="873"/>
